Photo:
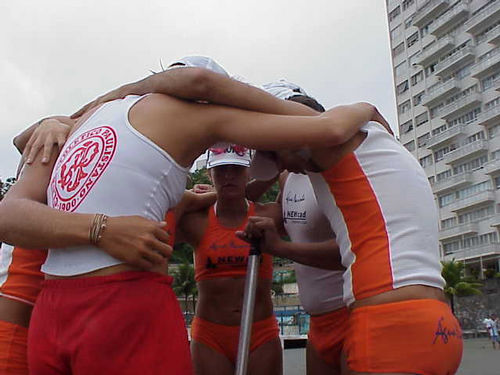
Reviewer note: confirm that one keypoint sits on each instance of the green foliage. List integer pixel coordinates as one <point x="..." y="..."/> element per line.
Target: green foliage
<point x="183" y="253"/>
<point x="5" y="186"/>
<point x="271" y="194"/>
<point x="456" y="283"/>
<point x="199" y="177"/>
<point x="184" y="284"/>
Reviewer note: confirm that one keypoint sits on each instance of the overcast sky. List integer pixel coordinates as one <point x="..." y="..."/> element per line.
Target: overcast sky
<point x="57" y="55"/>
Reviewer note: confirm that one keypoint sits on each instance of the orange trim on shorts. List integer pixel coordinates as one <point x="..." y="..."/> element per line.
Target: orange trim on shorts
<point x="414" y="336"/>
<point x="327" y="333"/>
<point x="13" y="349"/>
<point x="354" y="196"/>
<point x="224" y="339"/>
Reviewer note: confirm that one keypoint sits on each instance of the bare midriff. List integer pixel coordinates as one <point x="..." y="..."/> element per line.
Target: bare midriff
<point x="15" y="312"/>
<point x="220" y="300"/>
<point x="411" y="292"/>
<point x="163" y="269"/>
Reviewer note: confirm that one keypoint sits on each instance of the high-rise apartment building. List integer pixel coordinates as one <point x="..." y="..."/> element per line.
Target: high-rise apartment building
<point x="446" y="63"/>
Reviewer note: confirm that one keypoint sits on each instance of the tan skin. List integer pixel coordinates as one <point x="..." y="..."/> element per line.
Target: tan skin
<point x="220" y="300"/>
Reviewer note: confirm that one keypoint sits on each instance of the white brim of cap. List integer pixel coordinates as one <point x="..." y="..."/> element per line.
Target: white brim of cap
<point x="228" y="162"/>
<point x="263" y="167"/>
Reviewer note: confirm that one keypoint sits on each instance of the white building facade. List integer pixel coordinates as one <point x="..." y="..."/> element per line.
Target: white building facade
<point x="446" y="64"/>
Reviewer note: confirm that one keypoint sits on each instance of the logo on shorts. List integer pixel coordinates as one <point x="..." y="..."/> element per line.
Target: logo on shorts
<point x="80" y="166"/>
<point x="445" y="333"/>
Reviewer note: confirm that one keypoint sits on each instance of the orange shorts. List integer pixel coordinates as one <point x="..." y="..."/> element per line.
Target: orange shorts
<point x="224" y="339"/>
<point x="415" y="336"/>
<point x="13" y="344"/>
<point x="327" y="333"/>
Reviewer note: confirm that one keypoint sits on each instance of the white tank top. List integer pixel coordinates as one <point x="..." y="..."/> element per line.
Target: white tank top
<point x="381" y="207"/>
<point x="320" y="290"/>
<point x="107" y="166"/>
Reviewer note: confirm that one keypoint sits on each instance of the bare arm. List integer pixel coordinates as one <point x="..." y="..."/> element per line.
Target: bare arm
<point x="321" y="254"/>
<point x="204" y="85"/>
<point x="257" y="188"/>
<point x="27" y="222"/>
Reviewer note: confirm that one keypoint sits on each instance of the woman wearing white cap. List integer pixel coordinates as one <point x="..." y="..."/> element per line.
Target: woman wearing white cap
<point x="220" y="271"/>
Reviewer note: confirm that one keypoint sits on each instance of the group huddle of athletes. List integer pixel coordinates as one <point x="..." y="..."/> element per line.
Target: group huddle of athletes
<point x="104" y="191"/>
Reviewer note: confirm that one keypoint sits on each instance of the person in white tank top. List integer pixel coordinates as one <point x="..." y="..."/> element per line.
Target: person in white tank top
<point x="314" y="249"/>
<point x="389" y="247"/>
<point x="87" y="178"/>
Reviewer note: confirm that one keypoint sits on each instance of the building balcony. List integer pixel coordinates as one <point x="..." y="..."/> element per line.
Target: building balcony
<point x="452" y="182"/>
<point x="486" y="17"/>
<point x="458" y="230"/>
<point x="447" y="135"/>
<point x="493" y="36"/>
<point x="474" y="200"/>
<point x="460" y="105"/>
<point x="429" y="11"/>
<point x="438" y="92"/>
<point x="461" y="57"/>
<point x="489" y="117"/>
<point x="492" y="167"/>
<point x="432" y="53"/>
<point x="474" y="252"/>
<point x="470" y="149"/>
<point x="487" y="66"/>
<point x="495" y="221"/>
<point x="448" y="19"/>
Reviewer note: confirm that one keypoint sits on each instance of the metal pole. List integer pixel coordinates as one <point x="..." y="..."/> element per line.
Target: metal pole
<point x="248" y="307"/>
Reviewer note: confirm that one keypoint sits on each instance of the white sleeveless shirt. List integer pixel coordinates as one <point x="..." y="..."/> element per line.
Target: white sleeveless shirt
<point x="107" y="166"/>
<point x="380" y="205"/>
<point x="320" y="290"/>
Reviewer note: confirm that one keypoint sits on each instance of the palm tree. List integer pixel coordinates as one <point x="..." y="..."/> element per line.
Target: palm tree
<point x="456" y="283"/>
<point x="184" y="283"/>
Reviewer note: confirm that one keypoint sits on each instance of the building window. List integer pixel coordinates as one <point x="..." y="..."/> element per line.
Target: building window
<point x="404" y="107"/>
<point x="422" y="140"/>
<point x="408" y="22"/>
<point x="476" y="215"/>
<point x="431" y="179"/>
<point x="396" y="32"/>
<point x="451" y="247"/>
<point x="473" y="138"/>
<point x="472" y="190"/>
<point x="488" y="82"/>
<point x="407" y="127"/>
<point x="443" y="175"/>
<point x="417" y="99"/>
<point x="470" y="165"/>
<point x="445" y="200"/>
<point x="495" y="155"/>
<point x="429" y="70"/>
<point x="439" y="154"/>
<point x="398" y="50"/>
<point x="426" y="161"/>
<point x="493" y="131"/>
<point x="407" y="4"/>
<point x="425" y="29"/>
<point x="395" y="13"/>
<point x="402" y="87"/>
<point x="465" y="119"/>
<point x="439" y="130"/>
<point x="416" y="78"/>
<point x="492" y="104"/>
<point x="448" y="223"/>
<point x="421" y="119"/>
<point x="412" y="39"/>
<point x="410" y="146"/>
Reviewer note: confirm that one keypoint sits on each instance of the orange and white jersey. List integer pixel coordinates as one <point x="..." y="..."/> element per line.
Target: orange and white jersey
<point x="380" y="205"/>
<point x="20" y="275"/>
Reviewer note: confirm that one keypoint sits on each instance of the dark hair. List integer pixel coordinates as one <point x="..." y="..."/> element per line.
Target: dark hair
<point x="308" y="101"/>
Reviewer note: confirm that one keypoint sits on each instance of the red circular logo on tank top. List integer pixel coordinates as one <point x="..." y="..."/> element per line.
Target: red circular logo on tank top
<point x="80" y="166"/>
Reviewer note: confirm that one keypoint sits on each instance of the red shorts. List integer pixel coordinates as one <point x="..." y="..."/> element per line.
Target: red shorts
<point x="327" y="333"/>
<point x="128" y="323"/>
<point x="224" y="339"/>
<point x="415" y="337"/>
<point x="13" y="339"/>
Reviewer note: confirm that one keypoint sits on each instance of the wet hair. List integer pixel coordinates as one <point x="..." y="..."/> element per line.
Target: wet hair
<point x="308" y="101"/>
